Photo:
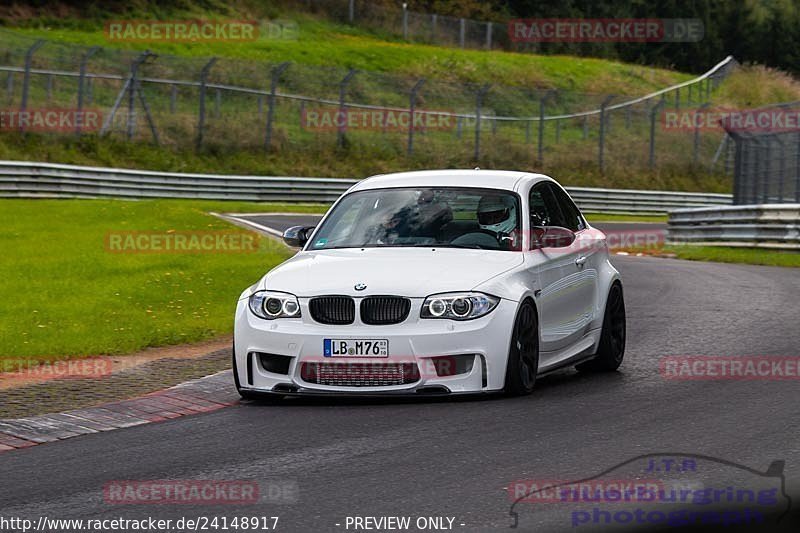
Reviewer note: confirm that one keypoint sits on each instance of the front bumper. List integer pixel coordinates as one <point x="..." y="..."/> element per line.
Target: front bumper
<point x="417" y="341"/>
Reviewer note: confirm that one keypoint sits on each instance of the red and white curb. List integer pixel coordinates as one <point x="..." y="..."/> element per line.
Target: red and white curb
<point x="197" y="396"/>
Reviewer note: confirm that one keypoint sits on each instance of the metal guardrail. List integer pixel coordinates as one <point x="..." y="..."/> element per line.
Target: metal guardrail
<point x="755" y="226"/>
<point x="635" y="201"/>
<point x="40" y="180"/>
<point x="46" y="180"/>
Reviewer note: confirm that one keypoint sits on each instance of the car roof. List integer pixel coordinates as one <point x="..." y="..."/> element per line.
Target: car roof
<point x="494" y="179"/>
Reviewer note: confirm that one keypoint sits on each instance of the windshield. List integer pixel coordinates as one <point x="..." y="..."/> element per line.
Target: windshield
<point x="405" y="217"/>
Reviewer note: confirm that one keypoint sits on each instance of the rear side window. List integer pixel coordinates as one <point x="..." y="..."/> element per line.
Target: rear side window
<point x="572" y="216"/>
<point x="544" y="207"/>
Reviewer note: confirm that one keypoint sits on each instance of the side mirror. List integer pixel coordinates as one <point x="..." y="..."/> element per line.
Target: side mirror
<point x="297" y="236"/>
<point x="551" y="237"/>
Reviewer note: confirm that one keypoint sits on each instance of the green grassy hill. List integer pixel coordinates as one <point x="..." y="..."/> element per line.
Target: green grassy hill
<point x="233" y="144"/>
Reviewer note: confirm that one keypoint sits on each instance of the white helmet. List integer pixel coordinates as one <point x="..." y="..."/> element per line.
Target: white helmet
<point x="497" y="213"/>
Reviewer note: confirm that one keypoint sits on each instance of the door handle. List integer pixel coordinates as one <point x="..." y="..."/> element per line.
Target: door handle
<point x="581" y="261"/>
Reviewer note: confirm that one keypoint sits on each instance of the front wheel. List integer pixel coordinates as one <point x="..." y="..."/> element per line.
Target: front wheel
<point x="612" y="338"/>
<point x="523" y="354"/>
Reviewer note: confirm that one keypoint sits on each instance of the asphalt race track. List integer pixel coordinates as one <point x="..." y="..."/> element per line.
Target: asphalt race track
<point x="445" y="458"/>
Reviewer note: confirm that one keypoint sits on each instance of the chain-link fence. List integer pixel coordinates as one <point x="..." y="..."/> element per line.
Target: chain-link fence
<point x="222" y="104"/>
<point x="430" y="28"/>
<point x="767" y="155"/>
<point x="566" y="35"/>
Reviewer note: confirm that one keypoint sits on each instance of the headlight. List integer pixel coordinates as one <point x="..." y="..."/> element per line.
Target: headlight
<point x="459" y="305"/>
<point x="271" y="305"/>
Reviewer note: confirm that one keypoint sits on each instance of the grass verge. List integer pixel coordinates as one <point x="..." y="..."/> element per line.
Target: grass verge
<point x="724" y="254"/>
<point x="606" y="217"/>
<point x="66" y="294"/>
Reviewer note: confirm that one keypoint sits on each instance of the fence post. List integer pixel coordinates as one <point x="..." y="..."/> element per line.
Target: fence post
<point x="147" y="114"/>
<point x="81" y="83"/>
<point x="602" y="143"/>
<point x="628" y="117"/>
<point x="201" y="115"/>
<point x="341" y="118"/>
<point x="653" y="113"/>
<point x="433" y="27"/>
<point x="678" y="98"/>
<point x="585" y="127"/>
<point x="218" y="103"/>
<point x="26" y="79"/>
<point x="767" y="171"/>
<point x="782" y="169"/>
<point x="696" y="152"/>
<point x="478" y="105"/>
<point x="132" y="89"/>
<point x="797" y="172"/>
<point x="741" y="156"/>
<point x="462" y="32"/>
<point x="488" y="35"/>
<point x="273" y="87"/>
<point x="351" y="11"/>
<point x="405" y="21"/>
<point x="689" y="97"/>
<point x="412" y="104"/>
<point x="752" y="197"/>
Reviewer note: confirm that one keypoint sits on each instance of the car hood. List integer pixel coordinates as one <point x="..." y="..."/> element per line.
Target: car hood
<point x="412" y="272"/>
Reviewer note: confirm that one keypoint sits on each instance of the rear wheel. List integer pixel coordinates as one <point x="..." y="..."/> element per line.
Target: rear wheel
<point x="523" y="354"/>
<point x="612" y="339"/>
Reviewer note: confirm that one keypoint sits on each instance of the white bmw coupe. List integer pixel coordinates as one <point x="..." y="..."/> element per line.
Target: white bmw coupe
<point x="433" y="282"/>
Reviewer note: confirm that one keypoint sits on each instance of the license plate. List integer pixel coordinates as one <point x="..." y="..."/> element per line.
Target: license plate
<point x="355" y="348"/>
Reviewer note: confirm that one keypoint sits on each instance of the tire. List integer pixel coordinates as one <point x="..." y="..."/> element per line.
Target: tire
<point x="612" y="339"/>
<point x="523" y="354"/>
<point x="248" y="394"/>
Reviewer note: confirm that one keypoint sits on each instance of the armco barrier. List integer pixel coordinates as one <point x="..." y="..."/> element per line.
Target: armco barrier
<point x="46" y="180"/>
<point x="757" y="226"/>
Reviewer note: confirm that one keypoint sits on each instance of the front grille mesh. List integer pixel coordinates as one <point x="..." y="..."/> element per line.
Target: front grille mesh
<point x="360" y="374"/>
<point x="382" y="310"/>
<point x="333" y="309"/>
